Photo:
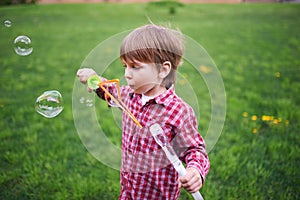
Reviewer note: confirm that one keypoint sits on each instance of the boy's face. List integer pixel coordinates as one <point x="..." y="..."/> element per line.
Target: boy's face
<point x="142" y="77"/>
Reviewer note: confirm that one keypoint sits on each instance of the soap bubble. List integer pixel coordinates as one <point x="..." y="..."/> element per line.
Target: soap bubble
<point x="7" y="23"/>
<point x="22" y="45"/>
<point x="49" y="104"/>
<point x="89" y="102"/>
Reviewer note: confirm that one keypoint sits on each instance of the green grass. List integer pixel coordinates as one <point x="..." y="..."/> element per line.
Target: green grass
<point x="250" y="43"/>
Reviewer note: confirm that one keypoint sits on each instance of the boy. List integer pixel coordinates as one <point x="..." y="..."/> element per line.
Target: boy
<point x="151" y="55"/>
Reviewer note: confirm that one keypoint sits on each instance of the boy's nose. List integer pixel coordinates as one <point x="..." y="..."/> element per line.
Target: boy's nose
<point x="128" y="74"/>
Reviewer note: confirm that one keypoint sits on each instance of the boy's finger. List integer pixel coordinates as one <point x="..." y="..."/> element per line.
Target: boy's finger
<point x="186" y="177"/>
<point x="185" y="182"/>
<point x="79" y="72"/>
<point x="179" y="184"/>
<point x="183" y="179"/>
<point x="89" y="90"/>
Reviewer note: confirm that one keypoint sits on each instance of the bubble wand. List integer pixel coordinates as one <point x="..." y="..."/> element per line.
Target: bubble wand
<point x="95" y="82"/>
<point x="161" y="140"/>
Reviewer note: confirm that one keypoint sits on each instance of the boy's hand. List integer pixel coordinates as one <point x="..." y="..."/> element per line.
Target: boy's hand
<point x="192" y="181"/>
<point x="84" y="74"/>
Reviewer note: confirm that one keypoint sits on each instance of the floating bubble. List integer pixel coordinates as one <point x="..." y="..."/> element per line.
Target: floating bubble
<point x="49" y="104"/>
<point x="22" y="45"/>
<point x="7" y="23"/>
<point x="81" y="100"/>
<point x="89" y="102"/>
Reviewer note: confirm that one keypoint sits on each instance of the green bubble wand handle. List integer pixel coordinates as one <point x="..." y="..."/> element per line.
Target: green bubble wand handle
<point x="161" y="140"/>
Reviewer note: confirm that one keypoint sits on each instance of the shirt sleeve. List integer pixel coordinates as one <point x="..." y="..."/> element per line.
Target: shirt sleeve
<point x="196" y="157"/>
<point x="191" y="144"/>
<point x="100" y="93"/>
<point x="112" y="90"/>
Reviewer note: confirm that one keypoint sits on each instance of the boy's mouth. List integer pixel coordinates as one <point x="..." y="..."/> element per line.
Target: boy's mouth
<point x="131" y="86"/>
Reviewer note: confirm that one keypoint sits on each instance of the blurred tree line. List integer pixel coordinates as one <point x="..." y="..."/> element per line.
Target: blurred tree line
<point x="12" y="2"/>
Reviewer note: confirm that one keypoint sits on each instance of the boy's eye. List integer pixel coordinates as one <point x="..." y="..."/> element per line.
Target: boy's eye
<point x="131" y="65"/>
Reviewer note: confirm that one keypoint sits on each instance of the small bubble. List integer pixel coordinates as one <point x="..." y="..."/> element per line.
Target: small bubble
<point x="49" y="104"/>
<point x="7" y="23"/>
<point x="81" y="100"/>
<point x="89" y="103"/>
<point x="22" y="45"/>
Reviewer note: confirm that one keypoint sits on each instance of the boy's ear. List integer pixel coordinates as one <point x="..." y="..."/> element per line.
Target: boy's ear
<point x="165" y="69"/>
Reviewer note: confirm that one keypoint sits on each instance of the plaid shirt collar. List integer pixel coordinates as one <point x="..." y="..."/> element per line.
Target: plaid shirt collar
<point x="162" y="99"/>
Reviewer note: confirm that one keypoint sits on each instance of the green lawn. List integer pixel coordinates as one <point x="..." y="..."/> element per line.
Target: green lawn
<point x="256" y="48"/>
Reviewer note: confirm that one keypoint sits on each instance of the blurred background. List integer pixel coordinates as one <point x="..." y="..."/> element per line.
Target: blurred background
<point x="255" y="46"/>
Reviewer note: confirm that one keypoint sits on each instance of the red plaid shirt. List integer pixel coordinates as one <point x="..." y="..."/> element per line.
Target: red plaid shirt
<point x="146" y="172"/>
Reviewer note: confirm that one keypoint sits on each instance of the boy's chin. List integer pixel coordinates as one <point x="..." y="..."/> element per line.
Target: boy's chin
<point x="137" y="91"/>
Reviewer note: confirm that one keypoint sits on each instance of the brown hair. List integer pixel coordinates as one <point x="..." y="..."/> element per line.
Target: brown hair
<point x="154" y="44"/>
